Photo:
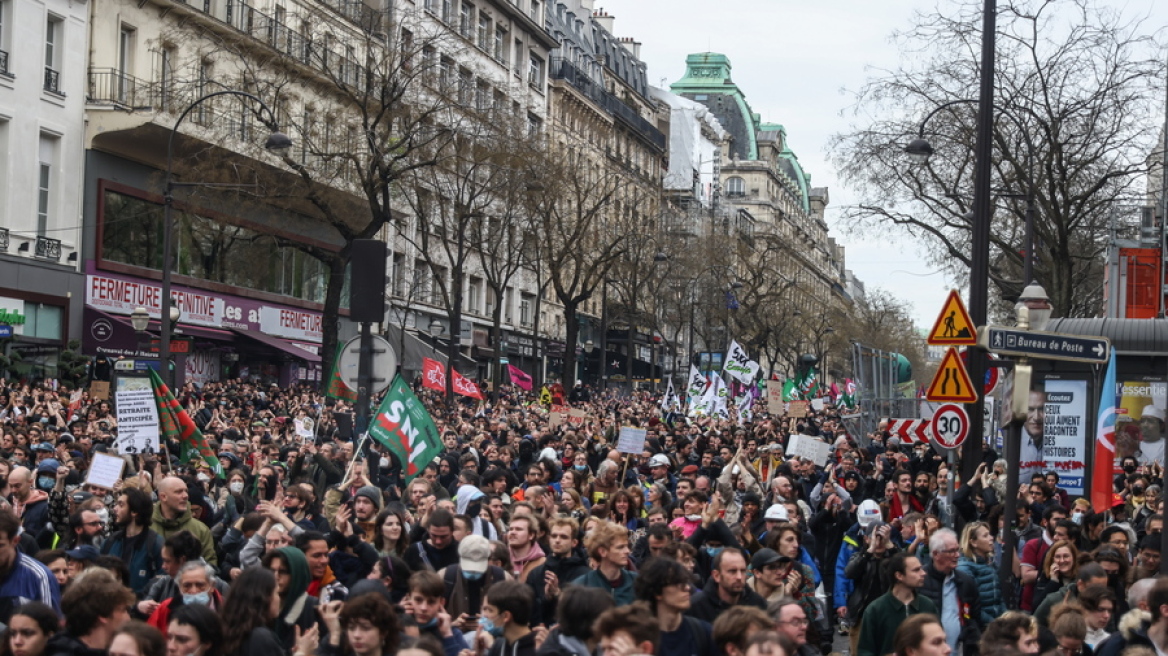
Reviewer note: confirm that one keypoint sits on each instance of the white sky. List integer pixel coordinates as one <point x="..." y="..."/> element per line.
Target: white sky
<point x="797" y="63"/>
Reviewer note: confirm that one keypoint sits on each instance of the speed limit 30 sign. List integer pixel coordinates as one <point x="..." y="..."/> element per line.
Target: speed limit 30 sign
<point x="950" y="426"/>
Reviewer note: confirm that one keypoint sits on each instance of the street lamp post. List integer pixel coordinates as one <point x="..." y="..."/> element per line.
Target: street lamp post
<point x="277" y="142"/>
<point x="920" y="150"/>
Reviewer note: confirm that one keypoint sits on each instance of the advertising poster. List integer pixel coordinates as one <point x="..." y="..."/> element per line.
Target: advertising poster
<point x="1139" y="425"/>
<point x="1065" y="433"/>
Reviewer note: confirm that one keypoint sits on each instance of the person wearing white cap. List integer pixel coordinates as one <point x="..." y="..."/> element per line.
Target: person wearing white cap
<point x="659" y="468"/>
<point x="1152" y="435"/>
<point x="468" y="581"/>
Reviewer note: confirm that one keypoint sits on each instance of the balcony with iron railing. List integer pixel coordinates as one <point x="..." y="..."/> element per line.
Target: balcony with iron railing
<point x="53" y="81"/>
<point x="563" y="69"/>
<point x="4" y="64"/>
<point x="275" y="34"/>
<point x="47" y="248"/>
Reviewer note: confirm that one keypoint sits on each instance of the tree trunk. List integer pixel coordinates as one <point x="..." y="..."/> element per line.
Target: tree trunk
<point x="332" y="308"/>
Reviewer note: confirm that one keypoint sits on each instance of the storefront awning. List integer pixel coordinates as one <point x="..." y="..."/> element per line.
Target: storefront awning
<point x="416" y="349"/>
<point x="278" y="344"/>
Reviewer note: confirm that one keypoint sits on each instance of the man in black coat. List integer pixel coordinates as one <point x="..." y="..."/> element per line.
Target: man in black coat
<point x="726" y="587"/>
<point x="563" y="564"/>
<point x="955" y="593"/>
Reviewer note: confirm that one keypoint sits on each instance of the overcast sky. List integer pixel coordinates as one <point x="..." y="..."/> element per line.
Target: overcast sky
<point x="797" y="63"/>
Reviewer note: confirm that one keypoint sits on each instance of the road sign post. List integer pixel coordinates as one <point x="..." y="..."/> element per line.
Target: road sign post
<point x="950" y="426"/>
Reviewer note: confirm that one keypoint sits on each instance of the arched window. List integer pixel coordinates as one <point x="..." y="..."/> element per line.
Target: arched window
<point x="735" y="186"/>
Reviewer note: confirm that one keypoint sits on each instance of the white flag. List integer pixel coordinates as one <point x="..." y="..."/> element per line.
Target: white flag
<point x="718" y="395"/>
<point x="739" y="365"/>
<point x="670" y="402"/>
<point x="697" y="383"/>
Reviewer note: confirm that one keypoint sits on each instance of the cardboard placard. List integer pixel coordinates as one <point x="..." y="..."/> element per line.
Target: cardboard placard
<point x="99" y="390"/>
<point x="137" y="422"/>
<point x="555" y="419"/>
<point x="775" y="404"/>
<point x="631" y="439"/>
<point x="798" y="409"/>
<point x="810" y="448"/>
<point x="105" y="470"/>
<point x="576" y="417"/>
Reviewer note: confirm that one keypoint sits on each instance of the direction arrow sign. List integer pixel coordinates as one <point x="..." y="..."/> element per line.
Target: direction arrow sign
<point x="1043" y="345"/>
<point x="950" y="426"/>
<point x="910" y="430"/>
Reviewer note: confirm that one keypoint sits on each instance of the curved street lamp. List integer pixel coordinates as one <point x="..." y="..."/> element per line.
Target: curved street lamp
<point x="277" y="143"/>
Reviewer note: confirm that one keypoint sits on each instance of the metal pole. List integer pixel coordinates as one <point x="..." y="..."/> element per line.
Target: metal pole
<point x="979" y="261"/>
<point x="1028" y="262"/>
<point x="364" y="393"/>
<point x="604" y="337"/>
<point x="1013" y="471"/>
<point x="629" y="343"/>
<point x="167" y="256"/>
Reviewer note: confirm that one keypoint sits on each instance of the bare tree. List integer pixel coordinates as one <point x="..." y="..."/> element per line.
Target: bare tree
<point x="583" y="215"/>
<point x="1081" y="81"/>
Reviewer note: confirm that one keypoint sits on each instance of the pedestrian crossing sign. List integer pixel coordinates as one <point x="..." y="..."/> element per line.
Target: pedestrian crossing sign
<point x="952" y="383"/>
<point x="953" y="326"/>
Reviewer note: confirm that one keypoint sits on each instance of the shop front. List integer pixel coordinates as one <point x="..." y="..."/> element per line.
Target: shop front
<point x="218" y="336"/>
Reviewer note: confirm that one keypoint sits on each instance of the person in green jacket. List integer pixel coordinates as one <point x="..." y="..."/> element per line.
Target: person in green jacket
<point x="608" y="545"/>
<point x="172" y="514"/>
<point x="884" y="615"/>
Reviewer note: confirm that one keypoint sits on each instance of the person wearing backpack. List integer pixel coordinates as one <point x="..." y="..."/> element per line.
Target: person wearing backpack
<point x="666" y="586"/>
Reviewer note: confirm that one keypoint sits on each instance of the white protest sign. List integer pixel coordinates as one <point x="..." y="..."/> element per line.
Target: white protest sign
<point x="304" y="427"/>
<point x="105" y="471"/>
<point x="809" y="448"/>
<point x="631" y="440"/>
<point x="137" y="422"/>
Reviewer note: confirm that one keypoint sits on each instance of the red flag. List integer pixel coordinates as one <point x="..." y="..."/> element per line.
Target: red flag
<point x="434" y="377"/>
<point x="175" y="423"/>
<point x="519" y="377"/>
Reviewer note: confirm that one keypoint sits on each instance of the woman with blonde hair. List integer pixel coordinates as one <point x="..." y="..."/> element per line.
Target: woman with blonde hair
<point x="977" y="560"/>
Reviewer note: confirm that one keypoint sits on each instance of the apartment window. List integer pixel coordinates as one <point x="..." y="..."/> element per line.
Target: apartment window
<point x="474" y="294"/>
<point x="466" y="19"/>
<point x="446" y="73"/>
<point x="165" y="76"/>
<point x="4" y="21"/>
<point x="535" y="12"/>
<point x="54" y="37"/>
<point x="307" y="127"/>
<point x="519" y="63"/>
<point x="465" y="86"/>
<point x="500" y="45"/>
<point x="484" y="35"/>
<point x="45" y="179"/>
<point x="735" y="186"/>
<point x="204" y="78"/>
<point x="534" y="125"/>
<point x="126" y="38"/>
<point x="525" y="307"/>
<point x="407" y="50"/>
<point x="431" y="5"/>
<point x="429" y="60"/>
<point x="482" y="96"/>
<point x="448" y="11"/>
<point x="535" y="71"/>
<point x="398" y="283"/>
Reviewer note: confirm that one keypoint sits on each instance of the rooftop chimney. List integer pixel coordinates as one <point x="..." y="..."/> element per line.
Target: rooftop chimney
<point x="632" y="45"/>
<point x="604" y="20"/>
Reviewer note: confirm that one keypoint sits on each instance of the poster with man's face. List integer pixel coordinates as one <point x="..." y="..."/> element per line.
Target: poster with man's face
<point x="1054" y="435"/>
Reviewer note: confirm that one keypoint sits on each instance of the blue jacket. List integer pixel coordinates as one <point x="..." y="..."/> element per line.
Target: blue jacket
<point x="143" y="557"/>
<point x="843" y="585"/>
<point x="28" y="581"/>
<point x="806" y="559"/>
<point x="986" y="576"/>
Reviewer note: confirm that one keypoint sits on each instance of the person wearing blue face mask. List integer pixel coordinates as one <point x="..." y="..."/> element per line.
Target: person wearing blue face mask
<point x="467" y="583"/>
<point x="195" y="588"/>
<point x="504" y="625"/>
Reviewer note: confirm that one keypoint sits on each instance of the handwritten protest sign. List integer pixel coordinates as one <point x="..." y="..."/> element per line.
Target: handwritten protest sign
<point x="631" y="440"/>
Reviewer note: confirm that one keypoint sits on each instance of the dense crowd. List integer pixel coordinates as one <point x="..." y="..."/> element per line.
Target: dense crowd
<point x="531" y="536"/>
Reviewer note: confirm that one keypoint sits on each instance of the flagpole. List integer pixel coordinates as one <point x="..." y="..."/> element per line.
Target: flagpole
<point x="356" y="456"/>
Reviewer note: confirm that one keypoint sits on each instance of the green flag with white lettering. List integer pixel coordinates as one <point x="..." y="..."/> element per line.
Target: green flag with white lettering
<point x="403" y="426"/>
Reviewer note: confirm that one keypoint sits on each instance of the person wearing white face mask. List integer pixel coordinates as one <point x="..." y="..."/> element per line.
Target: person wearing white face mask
<point x="134" y="541"/>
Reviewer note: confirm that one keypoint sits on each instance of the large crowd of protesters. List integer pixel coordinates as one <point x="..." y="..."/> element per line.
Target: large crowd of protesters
<point x="531" y="535"/>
